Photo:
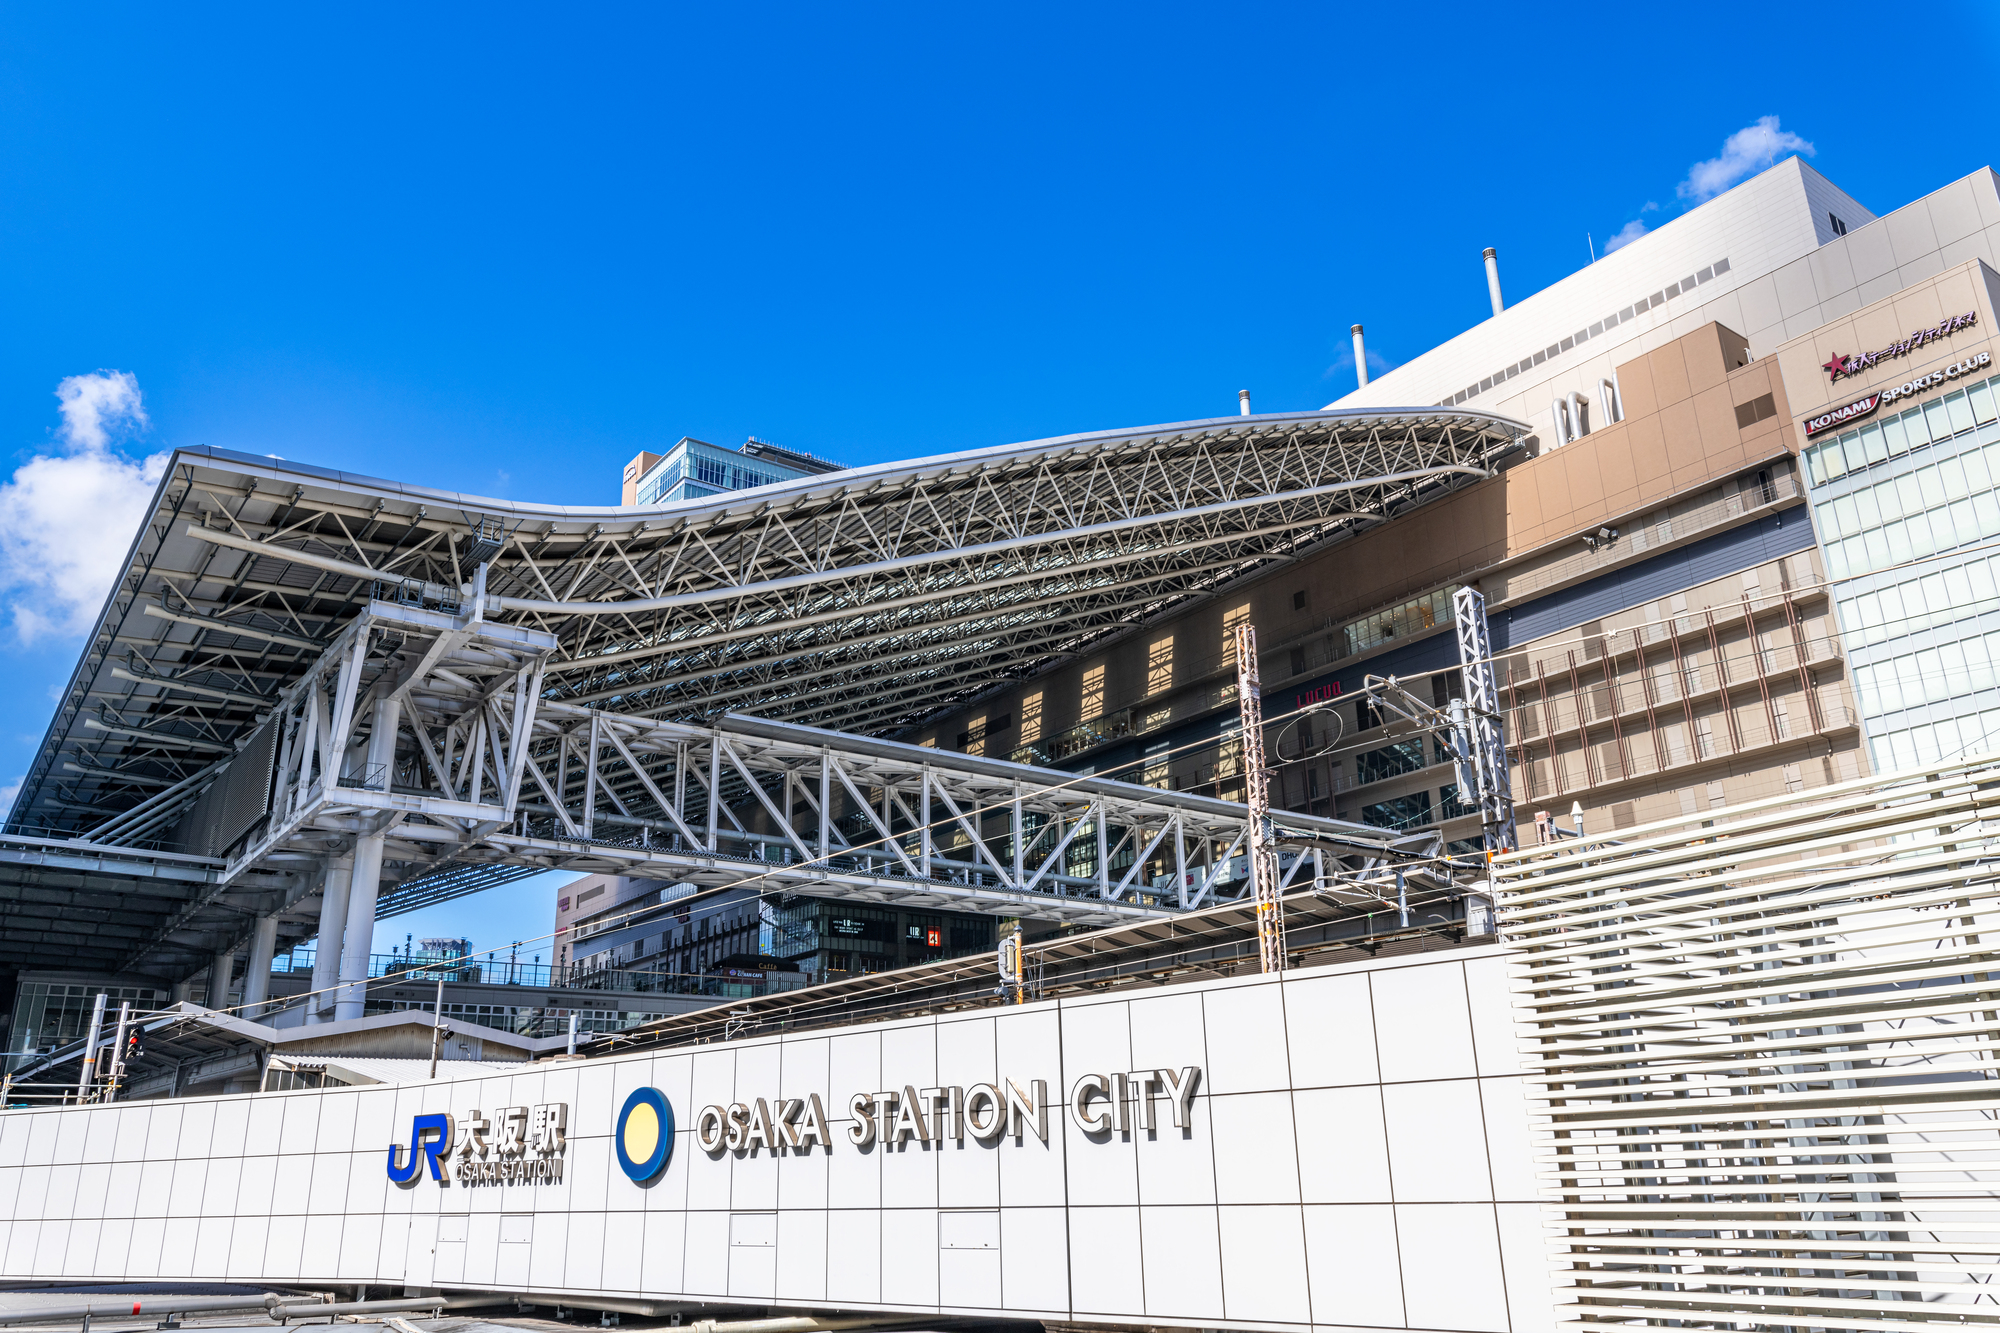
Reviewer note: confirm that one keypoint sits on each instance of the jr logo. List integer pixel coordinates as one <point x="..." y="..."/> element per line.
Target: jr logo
<point x="430" y="1139"/>
<point x="515" y="1145"/>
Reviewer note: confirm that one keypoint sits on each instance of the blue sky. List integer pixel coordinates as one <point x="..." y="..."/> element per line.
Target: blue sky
<point x="501" y="249"/>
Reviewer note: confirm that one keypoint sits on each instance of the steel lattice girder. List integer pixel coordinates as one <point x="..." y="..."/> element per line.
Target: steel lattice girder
<point x="740" y="802"/>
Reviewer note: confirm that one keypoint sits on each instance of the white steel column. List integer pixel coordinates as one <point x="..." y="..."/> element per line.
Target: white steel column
<point x="257" y="970"/>
<point x="1263" y="856"/>
<point x="358" y="939"/>
<point x="332" y="926"/>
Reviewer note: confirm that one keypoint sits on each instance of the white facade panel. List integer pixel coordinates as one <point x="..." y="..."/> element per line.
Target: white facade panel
<point x="1473" y="1295"/>
<point x="1264" y="1264"/>
<point x="1353" y="1264"/>
<point x="1422" y="1027"/>
<point x="1106" y="1269"/>
<point x="854" y="1256"/>
<point x="1184" y="1275"/>
<point x="1437" y="1142"/>
<point x="1343" y="1145"/>
<point x="1287" y="1177"/>
<point x="801" y="1265"/>
<point x="910" y="1250"/>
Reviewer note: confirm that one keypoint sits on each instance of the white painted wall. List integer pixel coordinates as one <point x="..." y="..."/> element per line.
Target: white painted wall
<point x="1788" y="275"/>
<point x="1358" y="1156"/>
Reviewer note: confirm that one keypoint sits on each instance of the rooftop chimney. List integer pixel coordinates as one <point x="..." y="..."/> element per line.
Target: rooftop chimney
<point x="1243" y="401"/>
<point x="1360" y="359"/>
<point x="1493" y="279"/>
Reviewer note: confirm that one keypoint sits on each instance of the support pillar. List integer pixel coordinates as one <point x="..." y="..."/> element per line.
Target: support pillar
<point x="257" y="972"/>
<point x="332" y="925"/>
<point x="221" y="973"/>
<point x="358" y="940"/>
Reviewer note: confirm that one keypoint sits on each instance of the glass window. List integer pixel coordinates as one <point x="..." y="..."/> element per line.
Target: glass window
<point x="1937" y="602"/>
<point x="1957" y="679"/>
<point x="1964" y="523"/>
<point x="1910" y="494"/>
<point x="1816" y="461"/>
<point x="1872" y="447"/>
<point x="1399" y="812"/>
<point x="1928" y="532"/>
<point x="1973" y="463"/>
<point x="1937" y="420"/>
<point x="1891" y="683"/>
<point x="1888" y="500"/>
<point x="1979" y="577"/>
<point x="1862" y="553"/>
<point x="1841" y="517"/>
<point x="1980" y="396"/>
<point x="1895" y="436"/>
<point x="1864" y="684"/>
<point x="1867" y="509"/>
<point x="1931" y="675"/>
<point x="1930" y="485"/>
<point x="1951" y="475"/>
<point x="1958" y="411"/>
<point x="1957" y="585"/>
<point x="1836" y="462"/>
<point x="1891" y="600"/>
<point x="1903" y="753"/>
<point x="1878" y="548"/>
<point x="1898" y="535"/>
<point x="1389" y="761"/>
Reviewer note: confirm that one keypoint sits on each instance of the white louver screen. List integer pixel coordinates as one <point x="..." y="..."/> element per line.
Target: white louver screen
<point x="1763" y="1051"/>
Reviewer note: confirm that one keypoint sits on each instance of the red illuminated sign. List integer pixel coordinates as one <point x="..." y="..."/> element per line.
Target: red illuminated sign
<point x="1318" y="694"/>
<point x="934" y="939"/>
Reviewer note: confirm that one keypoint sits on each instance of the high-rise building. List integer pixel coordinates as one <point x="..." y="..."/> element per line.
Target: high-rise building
<point x="693" y="469"/>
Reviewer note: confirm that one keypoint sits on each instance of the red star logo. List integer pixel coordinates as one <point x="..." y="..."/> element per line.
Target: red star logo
<point x="1836" y="367"/>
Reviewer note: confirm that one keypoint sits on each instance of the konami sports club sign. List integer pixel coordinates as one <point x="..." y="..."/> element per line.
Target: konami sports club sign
<point x="520" y="1145"/>
<point x="1863" y="407"/>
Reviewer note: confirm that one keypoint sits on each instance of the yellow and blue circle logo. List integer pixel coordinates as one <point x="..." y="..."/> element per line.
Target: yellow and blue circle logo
<point x="645" y="1134"/>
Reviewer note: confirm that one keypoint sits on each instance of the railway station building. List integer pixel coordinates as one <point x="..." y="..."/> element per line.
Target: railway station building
<point x="1713" y="1048"/>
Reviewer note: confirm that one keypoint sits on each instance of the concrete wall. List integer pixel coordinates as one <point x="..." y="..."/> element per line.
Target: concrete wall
<point x="1358" y="1156"/>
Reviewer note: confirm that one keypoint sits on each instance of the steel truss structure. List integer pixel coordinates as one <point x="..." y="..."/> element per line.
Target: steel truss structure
<point x="865" y="600"/>
<point x="429" y="733"/>
<point x="1763" y="1040"/>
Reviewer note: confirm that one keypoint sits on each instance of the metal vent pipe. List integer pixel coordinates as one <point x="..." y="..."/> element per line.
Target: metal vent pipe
<point x="1360" y="359"/>
<point x="1493" y="278"/>
<point x="1243" y="402"/>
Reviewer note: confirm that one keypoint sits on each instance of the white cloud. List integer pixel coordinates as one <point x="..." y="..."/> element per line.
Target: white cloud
<point x="1624" y="236"/>
<point x="68" y="517"/>
<point x="1744" y="154"/>
<point x="1378" y="364"/>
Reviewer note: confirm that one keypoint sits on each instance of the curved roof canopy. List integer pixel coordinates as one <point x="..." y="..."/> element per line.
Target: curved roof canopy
<point x="865" y="600"/>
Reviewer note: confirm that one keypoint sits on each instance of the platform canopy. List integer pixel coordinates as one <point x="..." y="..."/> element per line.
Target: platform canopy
<point x="865" y="600"/>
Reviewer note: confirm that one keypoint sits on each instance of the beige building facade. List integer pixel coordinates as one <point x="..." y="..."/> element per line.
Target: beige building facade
<point x="1688" y="659"/>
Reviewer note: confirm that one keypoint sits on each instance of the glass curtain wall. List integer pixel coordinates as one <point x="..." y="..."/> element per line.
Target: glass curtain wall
<point x="1907" y="510"/>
